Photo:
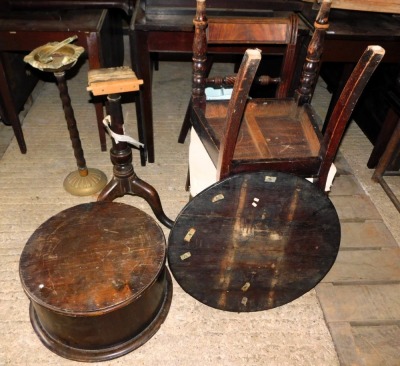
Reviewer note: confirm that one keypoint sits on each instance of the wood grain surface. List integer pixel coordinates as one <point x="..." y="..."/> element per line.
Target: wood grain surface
<point x="254" y="241"/>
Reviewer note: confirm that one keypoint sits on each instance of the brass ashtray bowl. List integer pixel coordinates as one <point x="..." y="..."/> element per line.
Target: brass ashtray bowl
<point x="52" y="58"/>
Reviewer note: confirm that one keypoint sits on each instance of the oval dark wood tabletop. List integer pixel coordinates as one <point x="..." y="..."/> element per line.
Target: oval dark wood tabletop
<point x="254" y="241"/>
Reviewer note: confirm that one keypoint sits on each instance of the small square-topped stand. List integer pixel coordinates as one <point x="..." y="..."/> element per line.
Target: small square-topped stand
<point x="112" y="82"/>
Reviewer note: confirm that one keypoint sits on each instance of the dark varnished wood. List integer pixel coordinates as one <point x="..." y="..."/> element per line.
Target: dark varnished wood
<point x="278" y="134"/>
<point x="315" y="48"/>
<point x="231" y="32"/>
<point x="265" y="117"/>
<point x="124" y="180"/>
<point x="350" y="32"/>
<point x="167" y="27"/>
<point x="8" y="5"/>
<point x="254" y="241"/>
<point x="96" y="278"/>
<point x="389" y="124"/>
<point x="388" y="163"/>
<point x="236" y="107"/>
<point x="71" y="121"/>
<point x="24" y="31"/>
<point x="345" y="105"/>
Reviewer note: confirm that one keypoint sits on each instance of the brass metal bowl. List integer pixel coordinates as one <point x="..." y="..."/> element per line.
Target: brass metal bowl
<point x="62" y="59"/>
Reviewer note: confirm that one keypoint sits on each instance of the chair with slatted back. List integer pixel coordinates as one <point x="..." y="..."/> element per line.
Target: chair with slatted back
<point x="280" y="134"/>
<point x="277" y="36"/>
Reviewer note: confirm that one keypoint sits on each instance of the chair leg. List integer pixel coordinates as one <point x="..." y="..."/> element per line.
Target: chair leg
<point x="140" y="56"/>
<point x="95" y="62"/>
<point x="389" y="124"/>
<point x="186" y="121"/>
<point x="187" y="184"/>
<point x="140" y="127"/>
<point x="185" y="125"/>
<point x="11" y="113"/>
<point x="386" y="158"/>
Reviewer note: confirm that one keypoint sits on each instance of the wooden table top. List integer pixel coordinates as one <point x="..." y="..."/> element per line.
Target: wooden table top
<point x="94" y="257"/>
<point x="254" y="241"/>
<point x="52" y="21"/>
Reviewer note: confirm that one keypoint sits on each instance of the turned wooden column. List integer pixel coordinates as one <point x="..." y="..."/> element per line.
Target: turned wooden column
<point x="309" y="75"/>
<point x="57" y="58"/>
<point x="112" y="82"/>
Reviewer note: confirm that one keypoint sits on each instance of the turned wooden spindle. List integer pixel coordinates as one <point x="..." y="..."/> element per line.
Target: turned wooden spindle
<point x="71" y="123"/>
<point x="311" y="66"/>
<point x="229" y="81"/>
<point x="113" y="82"/>
<point x="199" y="54"/>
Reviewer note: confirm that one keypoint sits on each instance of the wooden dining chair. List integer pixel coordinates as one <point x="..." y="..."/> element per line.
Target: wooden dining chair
<point x="277" y="36"/>
<point x="280" y="134"/>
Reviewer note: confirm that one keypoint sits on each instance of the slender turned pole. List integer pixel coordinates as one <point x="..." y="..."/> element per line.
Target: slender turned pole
<point x="71" y="123"/>
<point x="125" y="181"/>
<point x="199" y="55"/>
<point x="120" y="153"/>
<point x="314" y="51"/>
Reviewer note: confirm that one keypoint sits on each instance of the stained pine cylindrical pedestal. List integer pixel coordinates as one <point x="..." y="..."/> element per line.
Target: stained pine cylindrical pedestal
<point x="96" y="278"/>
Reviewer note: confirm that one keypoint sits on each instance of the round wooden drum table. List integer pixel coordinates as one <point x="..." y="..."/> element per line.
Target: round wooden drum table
<point x="254" y="241"/>
<point x="96" y="278"/>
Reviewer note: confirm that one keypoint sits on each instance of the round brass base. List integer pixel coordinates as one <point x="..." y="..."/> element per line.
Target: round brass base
<point x="93" y="182"/>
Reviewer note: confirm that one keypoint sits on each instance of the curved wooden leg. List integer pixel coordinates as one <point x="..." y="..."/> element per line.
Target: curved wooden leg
<point x="146" y="191"/>
<point x="111" y="191"/>
<point x="119" y="187"/>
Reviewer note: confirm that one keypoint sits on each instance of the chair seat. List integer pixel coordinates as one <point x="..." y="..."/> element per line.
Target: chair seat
<point x="203" y="172"/>
<point x="277" y="130"/>
<point x="281" y="134"/>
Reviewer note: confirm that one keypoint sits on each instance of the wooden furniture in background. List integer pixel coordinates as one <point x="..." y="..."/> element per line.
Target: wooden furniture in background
<point x="165" y="27"/>
<point x="229" y="32"/>
<point x="383" y="6"/>
<point x="350" y="32"/>
<point x="44" y="5"/>
<point x="23" y="31"/>
<point x="392" y="98"/>
<point x="388" y="164"/>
